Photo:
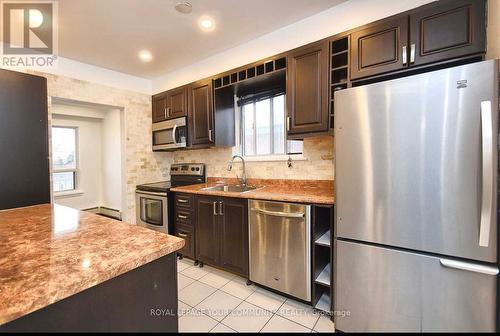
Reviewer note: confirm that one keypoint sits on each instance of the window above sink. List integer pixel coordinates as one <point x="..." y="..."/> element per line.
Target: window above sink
<point x="263" y="129"/>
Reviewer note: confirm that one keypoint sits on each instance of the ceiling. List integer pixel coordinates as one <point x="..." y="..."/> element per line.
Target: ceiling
<point x="110" y="33"/>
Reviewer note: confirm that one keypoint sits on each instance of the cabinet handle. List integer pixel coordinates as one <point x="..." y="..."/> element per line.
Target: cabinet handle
<point x="174" y="136"/>
<point x="182" y="216"/>
<point x="404" y="55"/>
<point x="488" y="204"/>
<point x="182" y="235"/>
<point x="288" y="123"/>
<point x="210" y="135"/>
<point x="165" y="112"/>
<point x="221" y="208"/>
<point x="412" y="53"/>
<point x="215" y="208"/>
<point x="182" y="201"/>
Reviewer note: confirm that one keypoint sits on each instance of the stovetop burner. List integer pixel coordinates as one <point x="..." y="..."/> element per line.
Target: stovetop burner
<point x="155" y="187"/>
<point x="182" y="174"/>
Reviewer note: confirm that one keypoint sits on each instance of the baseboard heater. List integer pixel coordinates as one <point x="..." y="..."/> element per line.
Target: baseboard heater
<point x="106" y="212"/>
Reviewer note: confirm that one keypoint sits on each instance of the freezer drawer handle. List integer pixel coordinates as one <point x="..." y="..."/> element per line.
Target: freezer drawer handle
<point x="279" y="213"/>
<point x="488" y="185"/>
<point x="465" y="266"/>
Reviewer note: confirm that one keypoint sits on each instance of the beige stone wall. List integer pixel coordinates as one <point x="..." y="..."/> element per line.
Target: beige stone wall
<point x="317" y="166"/>
<point x="142" y="165"/>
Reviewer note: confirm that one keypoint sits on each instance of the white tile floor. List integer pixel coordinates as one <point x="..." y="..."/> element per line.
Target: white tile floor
<point x="212" y="300"/>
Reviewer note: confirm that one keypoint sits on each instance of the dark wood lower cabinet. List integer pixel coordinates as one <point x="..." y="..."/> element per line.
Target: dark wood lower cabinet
<point x="207" y="230"/>
<point x="222" y="233"/>
<point x="234" y="235"/>
<point x="183" y="223"/>
<point x="186" y="232"/>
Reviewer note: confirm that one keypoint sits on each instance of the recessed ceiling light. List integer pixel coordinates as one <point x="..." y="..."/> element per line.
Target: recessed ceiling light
<point x="183" y="7"/>
<point x="145" y="56"/>
<point x="206" y="23"/>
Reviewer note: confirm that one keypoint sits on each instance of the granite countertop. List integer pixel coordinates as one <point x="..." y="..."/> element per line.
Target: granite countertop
<point x="50" y="252"/>
<point x="299" y="191"/>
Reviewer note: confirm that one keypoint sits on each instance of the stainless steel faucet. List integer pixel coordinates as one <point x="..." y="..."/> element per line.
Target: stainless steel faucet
<point x="230" y="166"/>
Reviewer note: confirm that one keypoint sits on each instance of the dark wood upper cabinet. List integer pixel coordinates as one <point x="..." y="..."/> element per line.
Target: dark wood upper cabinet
<point x="176" y="103"/>
<point x="159" y="108"/>
<point x="207" y="230"/>
<point x="201" y="113"/>
<point x="234" y="235"/>
<point x="170" y="104"/>
<point x="307" y="89"/>
<point x="380" y="48"/>
<point x="446" y="30"/>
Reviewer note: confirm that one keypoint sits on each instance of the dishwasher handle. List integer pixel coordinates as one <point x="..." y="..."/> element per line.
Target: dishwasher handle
<point x="279" y="213"/>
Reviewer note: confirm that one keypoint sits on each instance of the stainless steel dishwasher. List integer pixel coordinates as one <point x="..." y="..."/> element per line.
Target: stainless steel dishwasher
<point x="280" y="247"/>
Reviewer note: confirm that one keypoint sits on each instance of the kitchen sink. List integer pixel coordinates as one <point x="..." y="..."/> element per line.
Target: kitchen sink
<point x="232" y="188"/>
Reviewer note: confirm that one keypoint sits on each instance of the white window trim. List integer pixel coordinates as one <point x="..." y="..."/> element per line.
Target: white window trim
<point x="275" y="158"/>
<point x="68" y="193"/>
<point x="74" y="192"/>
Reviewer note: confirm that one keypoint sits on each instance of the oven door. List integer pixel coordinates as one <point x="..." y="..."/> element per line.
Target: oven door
<point x="169" y="134"/>
<point x="152" y="210"/>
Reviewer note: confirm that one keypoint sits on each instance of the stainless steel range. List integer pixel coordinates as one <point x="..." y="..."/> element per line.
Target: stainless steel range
<point x="154" y="205"/>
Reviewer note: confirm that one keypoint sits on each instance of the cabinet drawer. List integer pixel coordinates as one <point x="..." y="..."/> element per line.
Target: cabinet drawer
<point x="183" y="216"/>
<point x="183" y="200"/>
<point x="186" y="233"/>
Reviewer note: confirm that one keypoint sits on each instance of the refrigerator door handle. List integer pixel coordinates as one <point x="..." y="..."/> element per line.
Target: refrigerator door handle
<point x="465" y="266"/>
<point x="488" y="166"/>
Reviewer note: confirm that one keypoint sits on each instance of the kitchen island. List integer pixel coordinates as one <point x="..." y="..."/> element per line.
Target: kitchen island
<point x="66" y="270"/>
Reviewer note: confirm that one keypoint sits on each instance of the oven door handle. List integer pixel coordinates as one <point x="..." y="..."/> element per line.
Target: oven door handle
<point x="174" y="130"/>
<point x="151" y="193"/>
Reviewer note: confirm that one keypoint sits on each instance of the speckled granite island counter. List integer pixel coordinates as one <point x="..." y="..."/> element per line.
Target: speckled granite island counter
<point x="66" y="270"/>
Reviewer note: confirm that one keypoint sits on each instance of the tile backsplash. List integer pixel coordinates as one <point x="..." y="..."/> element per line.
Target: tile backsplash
<point x="318" y="163"/>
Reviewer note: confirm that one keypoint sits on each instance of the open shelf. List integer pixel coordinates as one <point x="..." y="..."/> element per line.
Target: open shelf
<point x="324" y="276"/>
<point x="339" y="69"/>
<point x="324" y="240"/>
<point x="324" y="302"/>
<point x="252" y="71"/>
<point x="322" y="256"/>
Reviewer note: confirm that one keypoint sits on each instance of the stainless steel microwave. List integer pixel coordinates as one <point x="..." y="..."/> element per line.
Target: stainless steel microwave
<point x="170" y="134"/>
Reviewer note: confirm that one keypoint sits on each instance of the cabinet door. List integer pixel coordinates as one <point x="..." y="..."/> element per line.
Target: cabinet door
<point x="380" y="48"/>
<point x="207" y="230"/>
<point x="201" y="113"/>
<point x="186" y="232"/>
<point x="176" y="103"/>
<point x="449" y="29"/>
<point x="234" y="235"/>
<point x="159" y="108"/>
<point x="307" y="89"/>
<point x="24" y="164"/>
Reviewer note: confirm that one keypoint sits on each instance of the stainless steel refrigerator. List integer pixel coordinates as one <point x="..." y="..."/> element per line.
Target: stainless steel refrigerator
<point x="416" y="202"/>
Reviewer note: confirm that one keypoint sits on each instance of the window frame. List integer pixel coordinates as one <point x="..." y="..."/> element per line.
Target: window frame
<point x="266" y="157"/>
<point x="75" y="170"/>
